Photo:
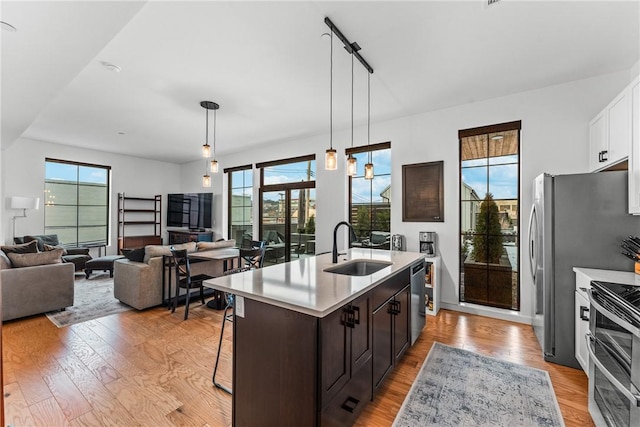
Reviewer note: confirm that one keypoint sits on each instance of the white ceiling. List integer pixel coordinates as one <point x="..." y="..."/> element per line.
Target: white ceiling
<point x="267" y="65"/>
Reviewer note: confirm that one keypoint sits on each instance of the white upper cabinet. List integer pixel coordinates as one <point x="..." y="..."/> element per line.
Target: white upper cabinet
<point x="610" y="133"/>
<point x="598" y="143"/>
<point x="634" y="150"/>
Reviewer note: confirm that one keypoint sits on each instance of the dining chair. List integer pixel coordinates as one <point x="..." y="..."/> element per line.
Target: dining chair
<point x="253" y="257"/>
<point x="185" y="280"/>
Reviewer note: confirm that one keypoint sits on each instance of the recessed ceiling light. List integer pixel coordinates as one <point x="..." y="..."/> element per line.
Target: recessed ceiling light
<point x="111" y="67"/>
<point x="7" y="27"/>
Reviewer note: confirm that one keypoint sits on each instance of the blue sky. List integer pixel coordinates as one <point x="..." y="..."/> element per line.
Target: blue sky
<point x="502" y="180"/>
<point x="64" y="172"/>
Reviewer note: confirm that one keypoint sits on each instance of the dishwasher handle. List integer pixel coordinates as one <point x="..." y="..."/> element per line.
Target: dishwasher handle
<point x="416" y="268"/>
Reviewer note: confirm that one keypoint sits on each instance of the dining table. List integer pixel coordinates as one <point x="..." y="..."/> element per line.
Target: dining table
<point x="225" y="255"/>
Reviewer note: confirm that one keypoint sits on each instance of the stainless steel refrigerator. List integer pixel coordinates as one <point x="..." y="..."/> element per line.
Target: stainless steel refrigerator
<point x="576" y="221"/>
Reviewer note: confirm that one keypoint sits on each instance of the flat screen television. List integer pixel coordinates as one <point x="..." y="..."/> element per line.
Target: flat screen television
<point x="190" y="210"/>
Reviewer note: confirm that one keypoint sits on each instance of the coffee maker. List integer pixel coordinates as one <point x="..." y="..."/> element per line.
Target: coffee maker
<point x="428" y="243"/>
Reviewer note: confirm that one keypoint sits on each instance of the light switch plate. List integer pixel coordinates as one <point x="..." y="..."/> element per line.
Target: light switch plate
<point x="239" y="306"/>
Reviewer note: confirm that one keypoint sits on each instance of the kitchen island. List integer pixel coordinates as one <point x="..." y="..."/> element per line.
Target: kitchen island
<point x="310" y="347"/>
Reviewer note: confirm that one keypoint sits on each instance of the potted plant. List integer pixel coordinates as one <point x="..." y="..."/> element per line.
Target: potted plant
<point x="487" y="270"/>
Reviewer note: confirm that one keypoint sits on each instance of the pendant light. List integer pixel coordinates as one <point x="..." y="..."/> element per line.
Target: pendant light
<point x="206" y="148"/>
<point x="368" y="168"/>
<point x="352" y="164"/>
<point x="214" y="162"/>
<point x="330" y="156"/>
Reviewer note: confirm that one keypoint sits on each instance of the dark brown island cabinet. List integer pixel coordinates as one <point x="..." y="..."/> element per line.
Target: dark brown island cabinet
<point x="295" y="369"/>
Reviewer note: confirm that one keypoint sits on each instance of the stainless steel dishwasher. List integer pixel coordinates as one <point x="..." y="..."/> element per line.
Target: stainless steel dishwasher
<point x="417" y="300"/>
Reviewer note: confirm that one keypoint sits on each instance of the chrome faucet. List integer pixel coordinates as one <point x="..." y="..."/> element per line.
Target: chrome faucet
<point x="353" y="238"/>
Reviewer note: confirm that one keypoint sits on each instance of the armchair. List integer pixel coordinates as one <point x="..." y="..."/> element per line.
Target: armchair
<point x="78" y="256"/>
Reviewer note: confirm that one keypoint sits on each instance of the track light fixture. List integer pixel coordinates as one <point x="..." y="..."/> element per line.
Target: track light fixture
<point x="353" y="49"/>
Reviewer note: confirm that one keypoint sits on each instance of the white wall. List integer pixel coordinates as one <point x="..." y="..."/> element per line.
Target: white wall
<point x="23" y="175"/>
<point x="554" y="139"/>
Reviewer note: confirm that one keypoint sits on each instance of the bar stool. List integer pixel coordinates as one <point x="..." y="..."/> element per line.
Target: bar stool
<point x="226" y="317"/>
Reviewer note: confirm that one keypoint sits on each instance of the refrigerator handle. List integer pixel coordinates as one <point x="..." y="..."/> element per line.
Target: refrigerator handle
<point x="532" y="243"/>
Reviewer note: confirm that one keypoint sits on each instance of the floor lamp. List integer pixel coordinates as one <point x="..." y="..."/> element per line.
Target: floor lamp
<point x="23" y="203"/>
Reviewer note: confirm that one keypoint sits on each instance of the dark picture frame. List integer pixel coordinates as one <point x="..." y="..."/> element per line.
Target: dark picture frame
<point x="423" y="192"/>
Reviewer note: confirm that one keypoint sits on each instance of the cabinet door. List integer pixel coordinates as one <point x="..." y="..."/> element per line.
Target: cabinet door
<point x="361" y="338"/>
<point x="634" y="152"/>
<point x="382" y="342"/>
<point x="619" y="128"/>
<point x="597" y="141"/>
<point x="401" y="323"/>
<point x="582" y="327"/>
<point x="335" y="357"/>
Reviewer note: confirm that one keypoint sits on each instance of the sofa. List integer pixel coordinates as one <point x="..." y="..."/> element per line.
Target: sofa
<point x="137" y="279"/>
<point x="34" y="282"/>
<point x="77" y="256"/>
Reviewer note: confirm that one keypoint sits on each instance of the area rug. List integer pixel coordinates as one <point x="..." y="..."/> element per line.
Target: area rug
<point x="457" y="387"/>
<point x="93" y="298"/>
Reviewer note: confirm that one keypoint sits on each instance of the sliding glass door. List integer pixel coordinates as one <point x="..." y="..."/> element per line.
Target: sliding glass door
<point x="288" y="209"/>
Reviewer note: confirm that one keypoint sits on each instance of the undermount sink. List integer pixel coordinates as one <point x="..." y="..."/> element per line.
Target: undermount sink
<point x="358" y="267"/>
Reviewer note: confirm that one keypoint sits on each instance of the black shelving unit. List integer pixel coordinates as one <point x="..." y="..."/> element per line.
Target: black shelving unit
<point x="139" y="221"/>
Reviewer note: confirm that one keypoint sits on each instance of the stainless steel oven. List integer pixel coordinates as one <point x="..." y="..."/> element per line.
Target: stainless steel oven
<point x="613" y="342"/>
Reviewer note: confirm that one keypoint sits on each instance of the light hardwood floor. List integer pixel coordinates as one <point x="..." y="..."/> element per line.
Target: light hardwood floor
<point x="151" y="368"/>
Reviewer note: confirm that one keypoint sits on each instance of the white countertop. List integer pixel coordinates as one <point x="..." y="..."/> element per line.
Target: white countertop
<point x="305" y="287"/>
<point x="622" y="277"/>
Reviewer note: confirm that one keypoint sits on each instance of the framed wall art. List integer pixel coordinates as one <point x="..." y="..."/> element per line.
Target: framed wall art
<point x="423" y="192"/>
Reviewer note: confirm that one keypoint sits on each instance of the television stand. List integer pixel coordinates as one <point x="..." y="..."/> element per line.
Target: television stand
<point x="184" y="236"/>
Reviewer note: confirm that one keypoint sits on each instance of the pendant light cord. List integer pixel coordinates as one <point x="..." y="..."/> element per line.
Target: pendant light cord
<point x="206" y="137"/>
<point x="352" y="99"/>
<point x="331" y="93"/>
<point x="369" y="113"/>
<point x="215" y="114"/>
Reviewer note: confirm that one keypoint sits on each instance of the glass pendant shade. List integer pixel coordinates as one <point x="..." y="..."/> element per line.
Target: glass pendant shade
<point x="206" y="181"/>
<point x="206" y="150"/>
<point x="330" y="160"/>
<point x="352" y="165"/>
<point x="214" y="166"/>
<point x="368" y="171"/>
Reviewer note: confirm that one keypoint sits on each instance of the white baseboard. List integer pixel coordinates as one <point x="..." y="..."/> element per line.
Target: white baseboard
<point x="496" y="313"/>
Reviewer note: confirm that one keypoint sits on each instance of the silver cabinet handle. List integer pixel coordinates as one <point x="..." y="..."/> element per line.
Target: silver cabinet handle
<point x="633" y="398"/>
<point x="532" y="242"/>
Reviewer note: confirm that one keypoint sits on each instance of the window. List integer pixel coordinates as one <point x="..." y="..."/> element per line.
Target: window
<point x="489" y="214"/>
<point x="240" y="204"/>
<point x="288" y="208"/>
<point x="370" y="199"/>
<point x="76" y="202"/>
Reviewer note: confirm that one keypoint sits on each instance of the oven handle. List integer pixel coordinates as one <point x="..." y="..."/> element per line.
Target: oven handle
<point x="633" y="398"/>
<point x="611" y="316"/>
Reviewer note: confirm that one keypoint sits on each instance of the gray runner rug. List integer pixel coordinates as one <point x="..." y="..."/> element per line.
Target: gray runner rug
<point x="93" y="298"/>
<point x="460" y="388"/>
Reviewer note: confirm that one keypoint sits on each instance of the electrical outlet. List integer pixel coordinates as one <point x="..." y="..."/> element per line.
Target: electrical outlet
<point x="239" y="306"/>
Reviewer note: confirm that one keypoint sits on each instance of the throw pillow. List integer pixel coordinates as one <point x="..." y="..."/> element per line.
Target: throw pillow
<point x="136" y="255"/>
<point x="38" y="258"/>
<point x="24" y="248"/>
<point x="53" y="247"/>
<point x="203" y="246"/>
<point x="152" y="251"/>
<point x="5" y="262"/>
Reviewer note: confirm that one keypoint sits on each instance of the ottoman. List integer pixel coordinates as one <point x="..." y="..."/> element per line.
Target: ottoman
<point x="104" y="263"/>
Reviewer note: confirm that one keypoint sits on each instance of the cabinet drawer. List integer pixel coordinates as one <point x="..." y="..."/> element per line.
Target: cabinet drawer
<point x="346" y="406"/>
<point x="390" y="287"/>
